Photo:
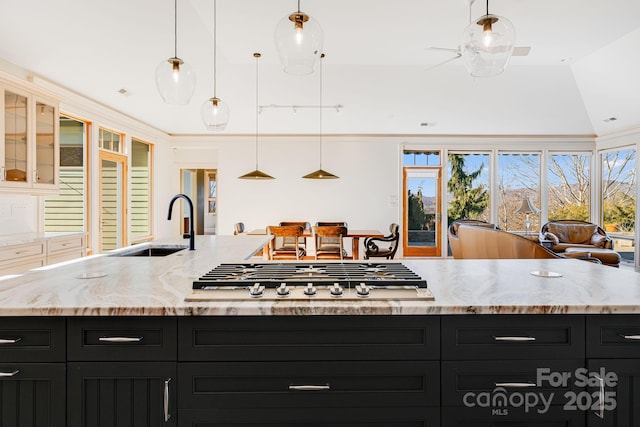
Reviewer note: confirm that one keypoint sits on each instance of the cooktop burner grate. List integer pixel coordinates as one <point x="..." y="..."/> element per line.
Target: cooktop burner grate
<point x="273" y="275"/>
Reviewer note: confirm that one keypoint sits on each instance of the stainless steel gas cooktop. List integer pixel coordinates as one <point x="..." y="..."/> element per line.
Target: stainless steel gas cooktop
<point x="310" y="281"/>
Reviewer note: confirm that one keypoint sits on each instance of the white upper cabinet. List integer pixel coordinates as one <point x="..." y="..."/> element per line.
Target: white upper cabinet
<point x="29" y="154"/>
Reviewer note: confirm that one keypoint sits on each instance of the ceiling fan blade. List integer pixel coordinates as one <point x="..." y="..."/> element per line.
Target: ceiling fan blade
<point x="444" y="49"/>
<point x="521" y="50"/>
<point x="439" y="64"/>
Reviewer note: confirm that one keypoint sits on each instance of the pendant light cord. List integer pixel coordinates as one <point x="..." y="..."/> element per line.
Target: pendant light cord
<point x="487" y="7"/>
<point x="175" y="28"/>
<point x="215" y="30"/>
<point x="320" y="73"/>
<point x="298" y="6"/>
<point x="257" y="56"/>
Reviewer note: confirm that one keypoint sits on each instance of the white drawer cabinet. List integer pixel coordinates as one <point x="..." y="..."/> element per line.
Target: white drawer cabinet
<point x="65" y="248"/>
<point x="41" y="251"/>
<point x="18" y="258"/>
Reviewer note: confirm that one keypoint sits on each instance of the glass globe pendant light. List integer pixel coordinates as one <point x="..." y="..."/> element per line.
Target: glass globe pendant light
<point x="487" y="45"/>
<point x="299" y="40"/>
<point x="214" y="111"/>
<point x="175" y="79"/>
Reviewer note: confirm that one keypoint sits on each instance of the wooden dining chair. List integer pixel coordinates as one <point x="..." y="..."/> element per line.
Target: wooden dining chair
<point x="329" y="241"/>
<point x="284" y="244"/>
<point x="302" y="241"/>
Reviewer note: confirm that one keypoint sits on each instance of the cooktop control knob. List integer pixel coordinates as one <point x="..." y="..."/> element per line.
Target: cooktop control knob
<point x="282" y="290"/>
<point x="310" y="290"/>
<point x="336" y="290"/>
<point x="362" y="290"/>
<point x="256" y="291"/>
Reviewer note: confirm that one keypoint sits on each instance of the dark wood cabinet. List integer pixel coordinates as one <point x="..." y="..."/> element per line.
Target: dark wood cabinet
<point x="122" y="372"/>
<point x="613" y="352"/>
<point x="309" y="371"/>
<point x="122" y="394"/>
<point x="318" y="371"/>
<point x="32" y="372"/>
<point x="32" y="394"/>
<point x="493" y="369"/>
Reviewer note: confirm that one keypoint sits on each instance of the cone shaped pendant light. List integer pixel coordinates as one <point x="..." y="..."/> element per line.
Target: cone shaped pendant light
<point x="320" y="173"/>
<point x="257" y="173"/>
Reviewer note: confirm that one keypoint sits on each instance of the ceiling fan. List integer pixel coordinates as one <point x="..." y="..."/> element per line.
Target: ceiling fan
<point x="457" y="52"/>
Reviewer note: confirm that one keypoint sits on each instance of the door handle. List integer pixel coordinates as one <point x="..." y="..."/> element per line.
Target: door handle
<point x="165" y="399"/>
<point x="9" y="340"/>
<point x="310" y="387"/>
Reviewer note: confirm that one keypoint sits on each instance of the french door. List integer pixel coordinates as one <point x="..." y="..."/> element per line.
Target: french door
<point x="422" y="212"/>
<point x="113" y="203"/>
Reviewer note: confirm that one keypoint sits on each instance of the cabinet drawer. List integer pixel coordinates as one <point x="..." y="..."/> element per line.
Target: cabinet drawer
<point x="22" y="265"/>
<point x="31" y="339"/>
<point x="616" y="336"/>
<point x="308" y="384"/>
<point x="309" y="338"/>
<point x="462" y="382"/>
<point x="64" y="244"/>
<point x="312" y="417"/>
<point x="122" y="338"/>
<point x="65" y="256"/>
<point x="16" y="252"/>
<point x="511" y="417"/>
<point x="512" y="337"/>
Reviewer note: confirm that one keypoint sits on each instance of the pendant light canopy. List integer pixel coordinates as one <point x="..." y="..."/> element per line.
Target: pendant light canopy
<point x="257" y="173"/>
<point x="214" y="111"/>
<point x="299" y="40"/>
<point x="320" y="173"/>
<point x="487" y="45"/>
<point x="175" y="79"/>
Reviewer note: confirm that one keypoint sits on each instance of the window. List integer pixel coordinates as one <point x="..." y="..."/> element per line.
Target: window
<point x="518" y="178"/>
<point x="421" y="158"/>
<point x="66" y="210"/>
<point x="110" y="141"/>
<point x="468" y="186"/>
<point x="618" y="199"/>
<point x="568" y="186"/>
<point x="141" y="203"/>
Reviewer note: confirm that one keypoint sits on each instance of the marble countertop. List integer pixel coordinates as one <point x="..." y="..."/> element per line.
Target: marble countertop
<point x="118" y="286"/>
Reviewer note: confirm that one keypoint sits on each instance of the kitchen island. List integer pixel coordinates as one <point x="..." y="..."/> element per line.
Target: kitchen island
<point x="109" y="340"/>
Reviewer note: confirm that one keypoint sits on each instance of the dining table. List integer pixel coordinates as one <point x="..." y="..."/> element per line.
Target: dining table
<point x="354" y="234"/>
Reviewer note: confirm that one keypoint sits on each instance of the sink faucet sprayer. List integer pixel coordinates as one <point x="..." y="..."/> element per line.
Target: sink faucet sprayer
<point x="192" y="234"/>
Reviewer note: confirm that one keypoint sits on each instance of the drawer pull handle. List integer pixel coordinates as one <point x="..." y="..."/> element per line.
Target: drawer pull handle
<point x="9" y="340"/>
<point x="120" y="339"/>
<point x="630" y="337"/>
<point x="514" y="339"/>
<point x="516" y="385"/>
<point x="310" y="387"/>
<point x="8" y="374"/>
<point x="167" y="415"/>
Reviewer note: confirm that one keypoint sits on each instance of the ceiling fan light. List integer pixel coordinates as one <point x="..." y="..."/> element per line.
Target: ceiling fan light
<point x="215" y="114"/>
<point x="487" y="45"/>
<point x="299" y="40"/>
<point x="176" y="81"/>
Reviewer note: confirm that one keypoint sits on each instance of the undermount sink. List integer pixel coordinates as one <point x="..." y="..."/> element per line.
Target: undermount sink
<point x="152" y="251"/>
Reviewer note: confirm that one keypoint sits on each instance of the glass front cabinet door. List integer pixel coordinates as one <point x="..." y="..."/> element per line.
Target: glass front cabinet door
<point x="29" y="143"/>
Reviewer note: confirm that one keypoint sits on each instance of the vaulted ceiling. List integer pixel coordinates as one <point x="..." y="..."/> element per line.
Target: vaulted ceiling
<point x="582" y="70"/>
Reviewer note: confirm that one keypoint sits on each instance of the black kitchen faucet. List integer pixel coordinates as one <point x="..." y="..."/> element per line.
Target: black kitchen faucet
<point x="192" y="234"/>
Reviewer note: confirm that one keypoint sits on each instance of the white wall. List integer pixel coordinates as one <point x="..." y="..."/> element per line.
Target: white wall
<point x="18" y="214"/>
